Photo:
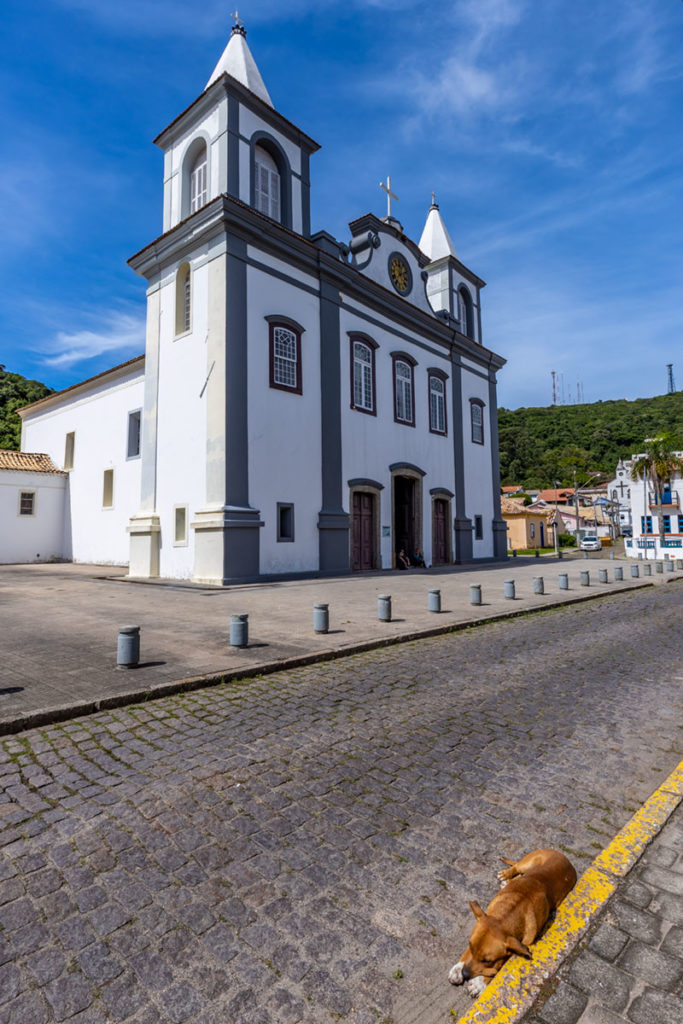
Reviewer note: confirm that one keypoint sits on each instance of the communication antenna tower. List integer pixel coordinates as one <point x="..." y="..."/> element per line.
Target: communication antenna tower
<point x="554" y="376"/>
<point x="671" y="387"/>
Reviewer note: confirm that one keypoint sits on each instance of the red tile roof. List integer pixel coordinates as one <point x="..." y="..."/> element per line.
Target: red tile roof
<point x="34" y="462"/>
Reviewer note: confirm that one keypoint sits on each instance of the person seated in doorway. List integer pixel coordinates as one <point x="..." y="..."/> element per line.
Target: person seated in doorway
<point x="402" y="561"/>
<point x="419" y="559"/>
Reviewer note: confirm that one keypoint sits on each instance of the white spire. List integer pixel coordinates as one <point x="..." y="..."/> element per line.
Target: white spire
<point x="435" y="241"/>
<point x="238" y="62"/>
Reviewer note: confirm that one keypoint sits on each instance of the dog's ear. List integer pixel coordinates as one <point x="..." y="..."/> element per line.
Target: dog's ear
<point x="515" y="946"/>
<point x="476" y="909"/>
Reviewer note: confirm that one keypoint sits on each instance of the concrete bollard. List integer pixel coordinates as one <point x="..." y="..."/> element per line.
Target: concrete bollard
<point x="384" y="607"/>
<point x="563" y="581"/>
<point x="602" y="576"/>
<point x="128" y="647"/>
<point x="585" y="554"/>
<point x="475" y="593"/>
<point x="514" y="553"/>
<point x="239" y="630"/>
<point x="321" y="618"/>
<point x="659" y="566"/>
<point x="618" y="574"/>
<point x="585" y="578"/>
<point x="538" y="585"/>
<point x="647" y="569"/>
<point x="537" y="553"/>
<point x="509" y="590"/>
<point x="434" y="601"/>
<point x="560" y="555"/>
<point x="670" y="565"/>
<point x="635" y="571"/>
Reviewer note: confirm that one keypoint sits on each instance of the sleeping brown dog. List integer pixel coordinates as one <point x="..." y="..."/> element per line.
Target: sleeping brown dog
<point x="531" y="890"/>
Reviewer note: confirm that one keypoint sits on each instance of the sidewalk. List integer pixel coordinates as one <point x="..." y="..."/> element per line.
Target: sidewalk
<point x="60" y="625"/>
<point x="629" y="967"/>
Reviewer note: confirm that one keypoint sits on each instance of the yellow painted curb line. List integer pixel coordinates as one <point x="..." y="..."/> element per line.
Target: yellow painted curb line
<point x="516" y="986"/>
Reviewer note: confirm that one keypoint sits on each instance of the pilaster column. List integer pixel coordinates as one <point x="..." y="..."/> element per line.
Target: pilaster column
<point x="462" y="526"/>
<point x="499" y="525"/>
<point x="333" y="521"/>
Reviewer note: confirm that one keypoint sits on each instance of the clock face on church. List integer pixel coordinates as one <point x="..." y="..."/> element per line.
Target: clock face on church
<point x="400" y="275"/>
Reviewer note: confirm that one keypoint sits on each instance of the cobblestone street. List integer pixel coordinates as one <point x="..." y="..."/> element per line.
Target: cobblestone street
<point x="302" y="847"/>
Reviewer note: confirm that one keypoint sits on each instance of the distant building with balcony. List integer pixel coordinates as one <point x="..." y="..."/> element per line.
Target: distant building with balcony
<point x="657" y="518"/>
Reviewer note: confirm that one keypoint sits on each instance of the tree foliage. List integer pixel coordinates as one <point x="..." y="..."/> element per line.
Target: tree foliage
<point x="15" y="392"/>
<point x="539" y="445"/>
<point x="658" y="462"/>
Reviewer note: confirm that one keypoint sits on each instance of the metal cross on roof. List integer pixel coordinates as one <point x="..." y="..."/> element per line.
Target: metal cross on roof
<point x="390" y="194"/>
<point x="238" y="20"/>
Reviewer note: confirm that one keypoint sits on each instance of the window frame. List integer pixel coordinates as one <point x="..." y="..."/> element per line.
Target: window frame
<point x="481" y="405"/>
<point x="436" y="374"/>
<point x="199" y="165"/>
<point x="356" y="337"/>
<point x="479" y="527"/>
<point x="284" y="506"/>
<point x="287" y="324"/>
<point x="110" y="470"/>
<point x="411" y="363"/>
<point x="466" y="312"/>
<point x="182" y="542"/>
<point x="69" y="450"/>
<point x="183" y="300"/>
<point x="134" y="455"/>
<point x="25" y="494"/>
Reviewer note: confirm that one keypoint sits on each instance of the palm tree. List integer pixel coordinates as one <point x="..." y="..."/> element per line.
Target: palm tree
<point x="659" y="463"/>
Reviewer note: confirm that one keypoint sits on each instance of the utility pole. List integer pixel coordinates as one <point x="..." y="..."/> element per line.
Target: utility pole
<point x="557" y="523"/>
<point x="576" y="509"/>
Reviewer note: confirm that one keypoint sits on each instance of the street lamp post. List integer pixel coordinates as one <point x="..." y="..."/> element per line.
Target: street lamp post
<point x="557" y="522"/>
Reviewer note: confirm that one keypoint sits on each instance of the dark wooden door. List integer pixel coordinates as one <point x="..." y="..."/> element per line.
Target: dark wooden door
<point x="362" y="555"/>
<point x="404" y="515"/>
<point x="439" y="549"/>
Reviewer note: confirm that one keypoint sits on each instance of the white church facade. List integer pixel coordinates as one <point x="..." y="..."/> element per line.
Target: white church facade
<point x="303" y="405"/>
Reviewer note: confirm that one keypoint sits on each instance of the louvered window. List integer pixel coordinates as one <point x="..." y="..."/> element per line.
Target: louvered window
<point x="437" y="405"/>
<point x="198" y="185"/>
<point x="403" y="382"/>
<point x="363" y="390"/>
<point x="267" y="184"/>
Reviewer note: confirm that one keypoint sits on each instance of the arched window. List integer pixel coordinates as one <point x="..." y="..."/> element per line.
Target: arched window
<point x="267" y="184"/>
<point x="183" y="299"/>
<point x="198" y="182"/>
<point x="477" y="420"/>
<point x="404" y="406"/>
<point x="466" y="312"/>
<point x="362" y="375"/>
<point x="437" y="403"/>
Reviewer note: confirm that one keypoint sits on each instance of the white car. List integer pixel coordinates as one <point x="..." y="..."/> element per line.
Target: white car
<point x="590" y="543"/>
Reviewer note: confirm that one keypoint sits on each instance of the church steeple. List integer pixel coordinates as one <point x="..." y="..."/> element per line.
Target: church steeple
<point x="238" y="62"/>
<point x="435" y="241"/>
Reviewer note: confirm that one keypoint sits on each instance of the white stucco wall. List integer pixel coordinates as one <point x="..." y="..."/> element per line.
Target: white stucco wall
<point x="371" y="444"/>
<point x="181" y="418"/>
<point x="35" y="538"/>
<point x="284" y="428"/>
<point x="98" y="415"/>
<point x="211" y="128"/>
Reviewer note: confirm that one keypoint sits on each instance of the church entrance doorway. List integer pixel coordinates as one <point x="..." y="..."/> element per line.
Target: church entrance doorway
<point x="439" y="532"/>
<point x="362" y="531"/>
<point x="404" y="515"/>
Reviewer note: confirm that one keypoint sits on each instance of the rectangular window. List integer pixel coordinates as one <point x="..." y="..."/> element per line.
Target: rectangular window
<point x="267" y="191"/>
<point x="479" y="528"/>
<point x="646" y="524"/>
<point x="134" y="421"/>
<point x="69" y="450"/>
<point x="363" y="374"/>
<point x="285" y="358"/>
<point x="27" y="503"/>
<point x="198" y="191"/>
<point x="403" y="392"/>
<point x="680" y="524"/>
<point x="532" y="530"/>
<point x="108" y="489"/>
<point x="437" y="405"/>
<point x="180" y="525"/>
<point x="477" y="418"/>
<point x="285" y="521"/>
<point x="667" y="524"/>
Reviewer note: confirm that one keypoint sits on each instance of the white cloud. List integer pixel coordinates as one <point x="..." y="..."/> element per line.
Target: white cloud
<point x="120" y="331"/>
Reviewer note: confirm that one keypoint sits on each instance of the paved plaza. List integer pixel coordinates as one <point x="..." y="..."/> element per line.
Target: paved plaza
<point x="60" y="624"/>
<point x="302" y="846"/>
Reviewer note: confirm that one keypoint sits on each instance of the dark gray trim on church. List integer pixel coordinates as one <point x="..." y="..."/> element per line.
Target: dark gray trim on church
<point x="333" y="520"/>
<point x="498" y="525"/>
<point x="462" y="526"/>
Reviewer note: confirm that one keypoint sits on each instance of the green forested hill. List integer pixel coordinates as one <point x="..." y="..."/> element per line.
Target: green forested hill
<point x="16" y="391"/>
<point x="538" y="445"/>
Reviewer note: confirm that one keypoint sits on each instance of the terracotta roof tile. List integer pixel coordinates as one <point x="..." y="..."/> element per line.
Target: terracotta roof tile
<point x="34" y="462"/>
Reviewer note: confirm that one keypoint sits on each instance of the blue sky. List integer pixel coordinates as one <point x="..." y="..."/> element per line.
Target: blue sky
<point x="550" y="131"/>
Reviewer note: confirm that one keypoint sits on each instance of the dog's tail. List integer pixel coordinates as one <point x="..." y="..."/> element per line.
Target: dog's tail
<point x="510" y="863"/>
